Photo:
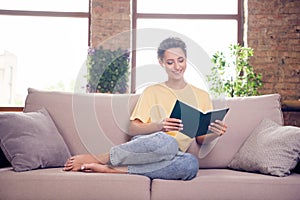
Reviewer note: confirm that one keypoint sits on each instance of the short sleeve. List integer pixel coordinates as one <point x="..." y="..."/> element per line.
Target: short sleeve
<point x="143" y="107"/>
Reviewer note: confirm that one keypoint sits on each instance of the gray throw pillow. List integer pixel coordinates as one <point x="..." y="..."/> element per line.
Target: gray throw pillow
<point x="31" y="140"/>
<point x="270" y="149"/>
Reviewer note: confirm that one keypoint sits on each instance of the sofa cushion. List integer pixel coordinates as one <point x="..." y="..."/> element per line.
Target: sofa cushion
<point x="270" y="149"/>
<point x="56" y="184"/>
<point x="213" y="184"/>
<point x="89" y="123"/>
<point x="31" y="140"/>
<point x="244" y="115"/>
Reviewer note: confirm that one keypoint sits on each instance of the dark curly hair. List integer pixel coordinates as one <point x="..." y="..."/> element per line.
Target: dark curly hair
<point x="171" y="42"/>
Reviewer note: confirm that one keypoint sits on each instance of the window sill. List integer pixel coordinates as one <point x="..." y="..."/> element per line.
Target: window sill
<point x="291" y="105"/>
<point x="11" y="109"/>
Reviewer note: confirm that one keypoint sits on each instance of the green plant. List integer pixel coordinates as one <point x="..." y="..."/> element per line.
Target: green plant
<point x="233" y="75"/>
<point x="107" y="70"/>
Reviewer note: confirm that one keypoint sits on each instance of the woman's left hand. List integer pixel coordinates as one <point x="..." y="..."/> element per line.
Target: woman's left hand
<point x="218" y="127"/>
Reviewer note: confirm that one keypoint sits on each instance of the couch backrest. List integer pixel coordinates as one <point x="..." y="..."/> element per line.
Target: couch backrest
<point x="89" y="123"/>
<point x="92" y="123"/>
<point x="244" y="115"/>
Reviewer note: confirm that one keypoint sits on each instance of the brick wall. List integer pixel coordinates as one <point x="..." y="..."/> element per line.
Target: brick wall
<point x="274" y="34"/>
<point x="110" y="23"/>
<point x="291" y="118"/>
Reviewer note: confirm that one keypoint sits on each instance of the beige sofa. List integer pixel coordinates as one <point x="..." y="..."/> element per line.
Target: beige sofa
<point x="92" y="123"/>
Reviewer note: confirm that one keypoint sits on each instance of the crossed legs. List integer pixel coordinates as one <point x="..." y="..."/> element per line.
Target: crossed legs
<point x="155" y="155"/>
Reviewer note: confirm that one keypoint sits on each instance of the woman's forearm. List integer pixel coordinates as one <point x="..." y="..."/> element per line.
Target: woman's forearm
<point x="137" y="127"/>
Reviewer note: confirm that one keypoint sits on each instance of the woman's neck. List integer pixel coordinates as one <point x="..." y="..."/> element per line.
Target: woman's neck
<point x="176" y="84"/>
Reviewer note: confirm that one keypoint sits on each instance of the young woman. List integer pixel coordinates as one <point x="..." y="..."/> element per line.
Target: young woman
<point x="157" y="148"/>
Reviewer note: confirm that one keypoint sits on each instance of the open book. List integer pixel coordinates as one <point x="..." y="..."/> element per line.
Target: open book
<point x="195" y="122"/>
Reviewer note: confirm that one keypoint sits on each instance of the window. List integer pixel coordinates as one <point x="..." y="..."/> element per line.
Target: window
<point x="206" y="27"/>
<point x="43" y="45"/>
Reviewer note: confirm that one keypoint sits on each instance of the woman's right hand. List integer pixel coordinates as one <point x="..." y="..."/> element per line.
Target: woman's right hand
<point x="171" y="124"/>
<point x="137" y="127"/>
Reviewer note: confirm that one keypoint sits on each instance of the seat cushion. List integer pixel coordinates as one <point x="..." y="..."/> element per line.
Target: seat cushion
<point x="225" y="184"/>
<point x="57" y="184"/>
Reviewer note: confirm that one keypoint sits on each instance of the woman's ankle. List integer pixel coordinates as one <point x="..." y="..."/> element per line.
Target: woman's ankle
<point x="104" y="158"/>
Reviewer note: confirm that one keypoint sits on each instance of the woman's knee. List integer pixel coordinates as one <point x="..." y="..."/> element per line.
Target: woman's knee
<point x="191" y="167"/>
<point x="167" y="147"/>
<point x="159" y="143"/>
<point x="183" y="167"/>
<point x="169" y="143"/>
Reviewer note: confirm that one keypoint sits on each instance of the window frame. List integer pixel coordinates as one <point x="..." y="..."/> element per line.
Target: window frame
<point x="135" y="16"/>
<point x="45" y="14"/>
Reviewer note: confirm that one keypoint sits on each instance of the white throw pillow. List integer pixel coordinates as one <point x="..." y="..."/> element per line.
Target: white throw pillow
<point x="270" y="149"/>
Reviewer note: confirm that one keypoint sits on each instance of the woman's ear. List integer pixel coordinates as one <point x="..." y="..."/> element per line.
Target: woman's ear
<point x="161" y="62"/>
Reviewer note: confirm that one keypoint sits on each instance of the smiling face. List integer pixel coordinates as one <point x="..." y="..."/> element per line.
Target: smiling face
<point x="174" y="62"/>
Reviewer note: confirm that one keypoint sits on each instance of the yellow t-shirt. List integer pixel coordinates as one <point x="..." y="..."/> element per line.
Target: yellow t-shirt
<point x="157" y="101"/>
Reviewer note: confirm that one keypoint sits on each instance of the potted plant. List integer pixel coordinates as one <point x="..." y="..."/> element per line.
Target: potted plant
<point x="233" y="75"/>
<point x="107" y="70"/>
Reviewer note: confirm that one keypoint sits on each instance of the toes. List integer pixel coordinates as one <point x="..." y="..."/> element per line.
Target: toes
<point x="67" y="168"/>
<point x="68" y="164"/>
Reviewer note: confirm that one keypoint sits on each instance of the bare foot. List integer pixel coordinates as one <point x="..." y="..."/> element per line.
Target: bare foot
<point x="100" y="168"/>
<point x="75" y="162"/>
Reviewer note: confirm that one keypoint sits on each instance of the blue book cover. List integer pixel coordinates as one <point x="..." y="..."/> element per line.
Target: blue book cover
<point x="195" y="122"/>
